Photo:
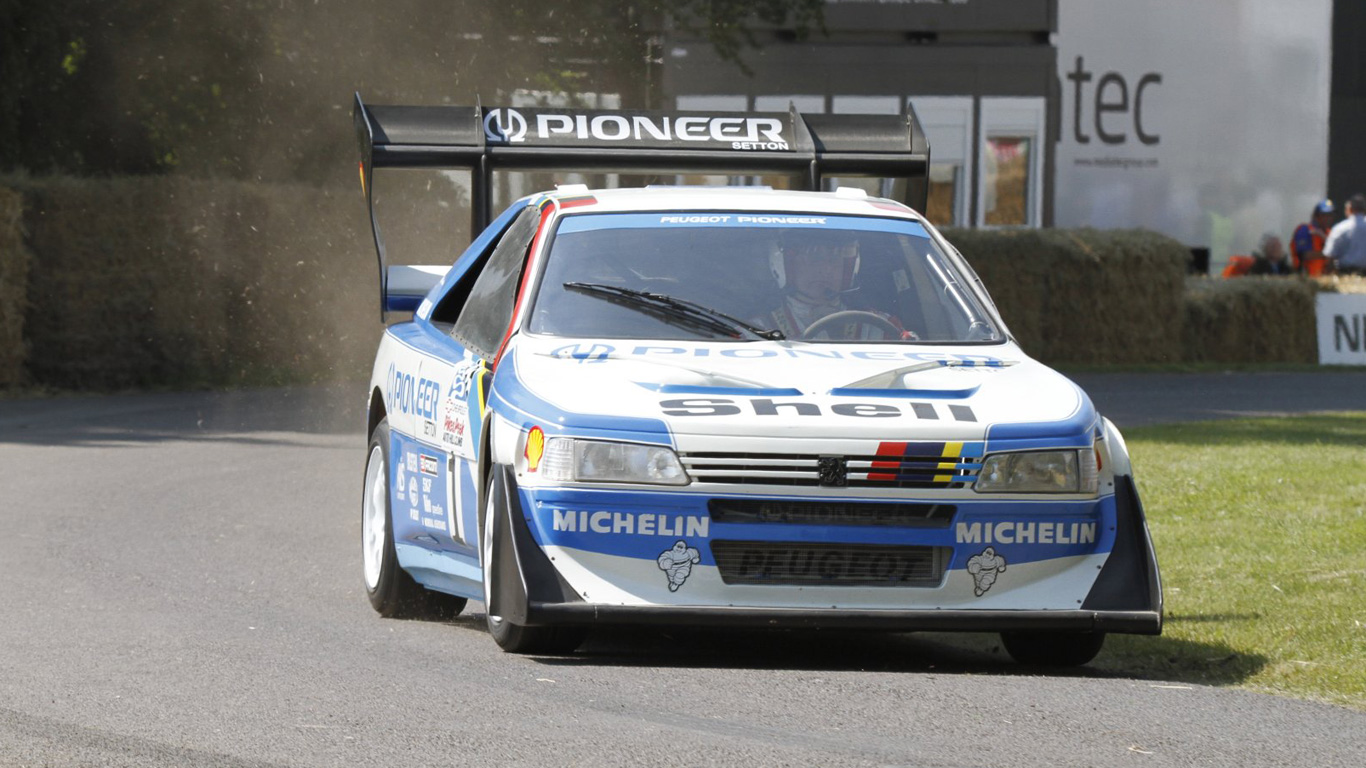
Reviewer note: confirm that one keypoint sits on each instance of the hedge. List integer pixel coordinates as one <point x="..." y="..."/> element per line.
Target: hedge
<point x="174" y="282"/>
<point x="14" y="266"/>
<point x="159" y="281"/>
<point x="1250" y="320"/>
<point x="1085" y="295"/>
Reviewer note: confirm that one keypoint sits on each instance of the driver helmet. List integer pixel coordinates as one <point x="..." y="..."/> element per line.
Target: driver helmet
<point x="798" y="242"/>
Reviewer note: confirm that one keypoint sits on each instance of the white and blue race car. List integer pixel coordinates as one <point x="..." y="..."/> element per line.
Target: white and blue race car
<point x="727" y="406"/>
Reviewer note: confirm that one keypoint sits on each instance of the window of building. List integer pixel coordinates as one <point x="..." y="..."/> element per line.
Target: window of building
<point x="810" y="104"/>
<point x="1010" y="187"/>
<point x="1005" y="181"/>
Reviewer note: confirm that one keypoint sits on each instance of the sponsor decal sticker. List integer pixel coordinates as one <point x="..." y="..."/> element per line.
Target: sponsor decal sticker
<point x="409" y="394"/>
<point x="506" y="125"/>
<point x="763" y="406"/>
<point x="584" y="353"/>
<point x="677" y="562"/>
<point x="1033" y="532"/>
<point x="455" y="423"/>
<point x="428" y="464"/>
<point x="535" y="447"/>
<point x="629" y="523"/>
<point x="421" y="493"/>
<point x="984" y="568"/>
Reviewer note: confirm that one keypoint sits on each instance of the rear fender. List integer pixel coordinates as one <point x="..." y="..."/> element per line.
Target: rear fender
<point x="406" y="286"/>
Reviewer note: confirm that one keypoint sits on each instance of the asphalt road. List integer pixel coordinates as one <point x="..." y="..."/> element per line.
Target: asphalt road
<point x="182" y="587"/>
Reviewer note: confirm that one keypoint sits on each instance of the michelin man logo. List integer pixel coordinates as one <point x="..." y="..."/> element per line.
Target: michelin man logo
<point x="678" y="562"/>
<point x="984" y="569"/>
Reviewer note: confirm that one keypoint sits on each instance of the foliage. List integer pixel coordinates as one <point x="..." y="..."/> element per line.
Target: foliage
<point x="14" y="267"/>
<point x="259" y="88"/>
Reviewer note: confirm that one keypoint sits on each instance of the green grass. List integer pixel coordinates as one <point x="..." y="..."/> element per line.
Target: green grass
<point x="1080" y="368"/>
<point x="1260" y="530"/>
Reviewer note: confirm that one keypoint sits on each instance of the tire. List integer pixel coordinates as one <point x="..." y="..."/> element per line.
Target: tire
<point x="1053" y="649"/>
<point x="514" y="638"/>
<point x="392" y="592"/>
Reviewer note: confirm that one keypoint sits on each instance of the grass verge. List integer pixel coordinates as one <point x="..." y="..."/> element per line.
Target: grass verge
<point x="1260" y="529"/>
<point x="1208" y="367"/>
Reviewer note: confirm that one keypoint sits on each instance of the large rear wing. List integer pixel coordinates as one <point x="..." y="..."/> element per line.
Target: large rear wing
<point x="808" y="148"/>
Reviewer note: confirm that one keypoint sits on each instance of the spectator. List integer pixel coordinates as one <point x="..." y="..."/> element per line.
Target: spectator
<point x="1346" y="243"/>
<point x="1269" y="258"/>
<point x="1306" y="244"/>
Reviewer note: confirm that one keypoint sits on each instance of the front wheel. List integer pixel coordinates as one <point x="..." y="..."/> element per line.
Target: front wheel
<point x="392" y="592"/>
<point x="511" y="637"/>
<point x="1053" y="649"/>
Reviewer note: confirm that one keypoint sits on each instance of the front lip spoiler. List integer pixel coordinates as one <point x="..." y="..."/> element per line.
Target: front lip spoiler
<point x="1121" y="622"/>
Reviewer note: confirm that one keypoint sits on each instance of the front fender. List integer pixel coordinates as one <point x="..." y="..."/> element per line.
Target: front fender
<point x="1117" y="451"/>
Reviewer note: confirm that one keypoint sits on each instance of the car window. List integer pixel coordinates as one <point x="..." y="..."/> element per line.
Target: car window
<point x="488" y="310"/>
<point x="813" y="277"/>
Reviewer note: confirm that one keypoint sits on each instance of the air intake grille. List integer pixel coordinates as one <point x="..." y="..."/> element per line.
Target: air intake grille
<point x="895" y="465"/>
<point x="801" y="564"/>
<point x="831" y="513"/>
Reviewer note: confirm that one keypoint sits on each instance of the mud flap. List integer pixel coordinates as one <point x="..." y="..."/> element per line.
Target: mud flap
<point x="522" y="574"/>
<point x="1130" y="580"/>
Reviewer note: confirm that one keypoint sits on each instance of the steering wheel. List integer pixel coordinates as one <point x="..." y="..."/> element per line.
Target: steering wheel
<point x="848" y="316"/>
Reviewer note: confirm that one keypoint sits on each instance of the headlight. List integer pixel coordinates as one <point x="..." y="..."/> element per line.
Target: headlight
<point x="1040" y="472"/>
<point x="570" y="460"/>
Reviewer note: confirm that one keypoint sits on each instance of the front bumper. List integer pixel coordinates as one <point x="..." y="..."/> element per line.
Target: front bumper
<point x="1124" y="598"/>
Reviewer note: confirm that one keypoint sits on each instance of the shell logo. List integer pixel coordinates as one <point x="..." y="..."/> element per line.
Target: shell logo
<point x="535" y="447"/>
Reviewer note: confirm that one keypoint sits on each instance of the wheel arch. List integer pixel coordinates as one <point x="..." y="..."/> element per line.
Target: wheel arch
<point x="375" y="412"/>
<point x="483" y="467"/>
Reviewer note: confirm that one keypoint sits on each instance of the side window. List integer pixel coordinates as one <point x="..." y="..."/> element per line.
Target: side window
<point x="487" y="312"/>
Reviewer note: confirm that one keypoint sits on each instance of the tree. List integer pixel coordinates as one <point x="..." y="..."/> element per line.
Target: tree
<point x="253" y="89"/>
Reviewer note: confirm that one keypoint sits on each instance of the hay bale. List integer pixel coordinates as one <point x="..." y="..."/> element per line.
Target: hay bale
<point x="1084" y="296"/>
<point x="1340" y="284"/>
<point x="14" y="265"/>
<point x="1250" y="320"/>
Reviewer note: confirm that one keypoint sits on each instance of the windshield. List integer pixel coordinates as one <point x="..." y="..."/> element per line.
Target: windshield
<point x="744" y="276"/>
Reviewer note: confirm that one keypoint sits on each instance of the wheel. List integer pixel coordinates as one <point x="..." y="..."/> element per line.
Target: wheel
<point x="854" y="317"/>
<point x="514" y="638"/>
<point x="1053" y="649"/>
<point x="392" y="592"/>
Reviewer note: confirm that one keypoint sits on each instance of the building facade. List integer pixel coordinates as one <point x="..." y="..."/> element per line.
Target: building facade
<point x="1206" y="121"/>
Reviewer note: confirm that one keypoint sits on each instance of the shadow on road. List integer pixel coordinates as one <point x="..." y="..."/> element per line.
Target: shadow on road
<point x="1124" y="656"/>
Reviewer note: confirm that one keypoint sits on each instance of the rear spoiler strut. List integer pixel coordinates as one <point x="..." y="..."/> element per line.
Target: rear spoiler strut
<point x="485" y="139"/>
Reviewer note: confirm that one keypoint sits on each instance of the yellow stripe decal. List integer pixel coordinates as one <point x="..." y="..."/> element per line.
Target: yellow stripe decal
<point x="479" y="386"/>
<point x="951" y="451"/>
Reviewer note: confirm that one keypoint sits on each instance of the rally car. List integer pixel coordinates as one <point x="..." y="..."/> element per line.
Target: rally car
<point x="730" y="406"/>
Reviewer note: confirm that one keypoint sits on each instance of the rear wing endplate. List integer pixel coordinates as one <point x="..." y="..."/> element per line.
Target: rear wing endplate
<point x="484" y="139"/>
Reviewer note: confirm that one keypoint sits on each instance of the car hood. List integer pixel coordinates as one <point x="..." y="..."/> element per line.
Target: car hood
<point x="792" y="389"/>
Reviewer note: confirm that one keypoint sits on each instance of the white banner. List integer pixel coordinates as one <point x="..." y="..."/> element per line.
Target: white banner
<point x="1207" y="121"/>
<point x="1342" y="328"/>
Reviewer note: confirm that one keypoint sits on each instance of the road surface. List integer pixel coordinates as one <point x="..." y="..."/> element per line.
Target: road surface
<point x="182" y="587"/>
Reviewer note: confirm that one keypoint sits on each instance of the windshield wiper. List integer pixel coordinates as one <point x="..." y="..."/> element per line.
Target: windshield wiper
<point x="669" y="308"/>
